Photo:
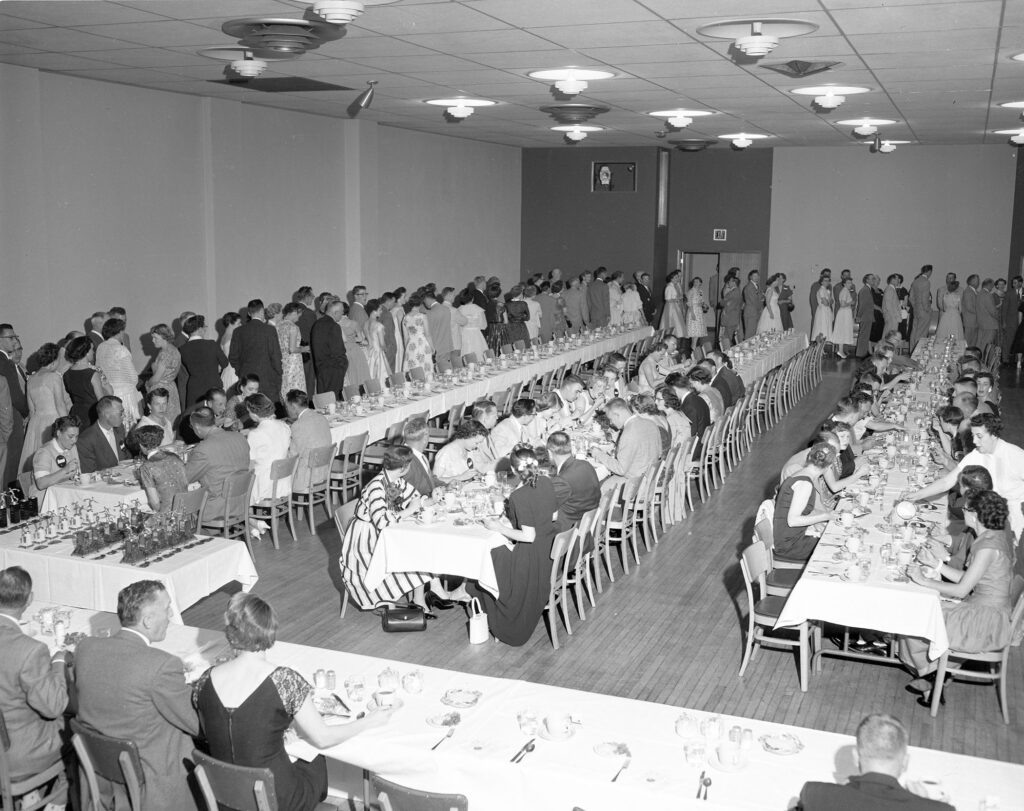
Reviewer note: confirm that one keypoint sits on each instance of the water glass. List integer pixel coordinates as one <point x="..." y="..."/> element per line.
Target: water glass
<point x="695" y="753"/>
<point x="528" y="722"/>
<point x="356" y="688"/>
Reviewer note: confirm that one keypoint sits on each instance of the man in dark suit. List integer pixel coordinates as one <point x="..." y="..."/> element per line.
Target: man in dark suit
<point x="882" y="757"/>
<point x="387" y="320"/>
<point x="753" y="302"/>
<point x="476" y="288"/>
<point x="920" y="306"/>
<point x="547" y="311"/>
<point x="256" y="349"/>
<point x="599" y="300"/>
<point x="724" y="371"/>
<point x="129" y="689"/>
<point x="647" y="303"/>
<point x="218" y="455"/>
<point x="843" y="277"/>
<point x="865" y="316"/>
<point x="415" y="435"/>
<point x="10" y="349"/>
<point x="718" y="383"/>
<point x="576" y="484"/>
<point x="101" y="445"/>
<point x="33" y="688"/>
<point x="439" y="322"/>
<point x="357" y="306"/>
<point x="330" y="360"/>
<point x="695" y="408"/>
<point x="202" y="361"/>
<point x="304" y="298"/>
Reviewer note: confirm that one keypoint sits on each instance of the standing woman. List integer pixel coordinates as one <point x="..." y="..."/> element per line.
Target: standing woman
<point x="770" y="319"/>
<point x="731" y="325"/>
<point x="497" y="330"/>
<point x="376" y="356"/>
<point x="166" y="365"/>
<point x="476" y="323"/>
<point x="842" y="328"/>
<point x="115" y="361"/>
<point x="822" y="326"/>
<point x="672" y="315"/>
<point x="228" y="376"/>
<point x="83" y="382"/>
<point x="419" y="351"/>
<point x="518" y="312"/>
<point x="355" y="347"/>
<point x="397" y="315"/>
<point x="523" y="572"/>
<point x="615" y="294"/>
<point x="696" y="307"/>
<point x="950" y="321"/>
<point x="1011" y="316"/>
<point x="293" y="375"/>
<point x="47" y="400"/>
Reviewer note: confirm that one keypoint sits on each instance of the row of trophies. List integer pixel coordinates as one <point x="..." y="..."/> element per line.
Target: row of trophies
<point x="15" y="507"/>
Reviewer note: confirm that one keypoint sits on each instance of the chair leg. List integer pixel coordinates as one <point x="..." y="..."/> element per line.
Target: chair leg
<point x="577" y="591"/>
<point x="563" y="603"/>
<point x="552" y="613"/>
<point x="1002" y="691"/>
<point x="804" y="656"/>
<point x="291" y="523"/>
<point x="273" y="528"/>
<point x="940" y="678"/>
<point x="624" y="555"/>
<point x="327" y="507"/>
<point x="595" y="562"/>
<point x="589" y="581"/>
<point x="608" y="561"/>
<point x="816" y="656"/>
<point x="310" y="505"/>
<point x="344" y="600"/>
<point x="748" y="652"/>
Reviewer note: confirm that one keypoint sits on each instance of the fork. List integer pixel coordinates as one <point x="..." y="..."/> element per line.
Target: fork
<point x="621" y="770"/>
<point x="447" y="735"/>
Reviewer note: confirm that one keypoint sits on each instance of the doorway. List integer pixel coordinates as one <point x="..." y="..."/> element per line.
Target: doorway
<point x="712" y="267"/>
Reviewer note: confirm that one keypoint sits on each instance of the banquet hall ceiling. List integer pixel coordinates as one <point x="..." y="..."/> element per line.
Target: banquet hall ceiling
<point x="938" y="68"/>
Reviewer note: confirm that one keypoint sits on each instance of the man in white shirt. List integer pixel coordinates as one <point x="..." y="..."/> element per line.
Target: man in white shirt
<point x="513" y="429"/>
<point x="568" y="395"/>
<point x="1003" y="461"/>
<point x="485" y="456"/>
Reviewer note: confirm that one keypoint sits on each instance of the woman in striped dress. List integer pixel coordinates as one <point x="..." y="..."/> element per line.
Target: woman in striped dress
<point x="384" y="501"/>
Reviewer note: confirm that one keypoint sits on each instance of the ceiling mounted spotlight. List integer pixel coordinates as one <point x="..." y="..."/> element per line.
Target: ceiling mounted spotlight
<point x="1016" y="136"/>
<point x="248" y="67"/>
<point x="757" y="37"/>
<point x="680" y="118"/>
<point x="576" y="132"/>
<point x="570" y="81"/>
<point x="865" y="127"/>
<point x="884" y="146"/>
<point x="460" y="108"/>
<point x="362" y="101"/>
<point x="242" y="62"/>
<point x="741" y="140"/>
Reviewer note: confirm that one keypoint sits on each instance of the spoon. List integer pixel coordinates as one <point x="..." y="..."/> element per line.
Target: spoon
<point x="526" y="750"/>
<point x="706" y="782"/>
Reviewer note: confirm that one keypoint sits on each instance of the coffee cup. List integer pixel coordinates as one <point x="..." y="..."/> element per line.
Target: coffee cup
<point x="558" y="726"/>
<point x="384" y="698"/>
<point x="428" y="515"/>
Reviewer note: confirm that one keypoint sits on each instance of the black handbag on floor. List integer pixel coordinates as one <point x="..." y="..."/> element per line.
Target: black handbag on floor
<point x="402" y="618"/>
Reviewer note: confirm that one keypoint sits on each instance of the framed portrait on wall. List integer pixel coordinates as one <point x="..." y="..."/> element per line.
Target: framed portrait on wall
<point x="612" y="177"/>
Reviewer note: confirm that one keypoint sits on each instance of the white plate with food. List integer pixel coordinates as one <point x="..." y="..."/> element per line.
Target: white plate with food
<point x="444" y="720"/>
<point x="782" y="743"/>
<point x="461" y="698"/>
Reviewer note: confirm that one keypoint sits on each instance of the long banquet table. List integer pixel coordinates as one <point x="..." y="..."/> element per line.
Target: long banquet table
<point x="578" y="771"/>
<point x="764" y="361"/>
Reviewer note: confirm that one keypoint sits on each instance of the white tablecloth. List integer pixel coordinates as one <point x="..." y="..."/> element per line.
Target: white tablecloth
<point x="103" y="494"/>
<point x="438" y="548"/>
<point x="377" y="423"/>
<point x="767" y="360"/>
<point x="189" y="576"/>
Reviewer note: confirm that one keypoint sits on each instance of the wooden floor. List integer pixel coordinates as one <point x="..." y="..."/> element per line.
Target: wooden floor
<point x="670" y="631"/>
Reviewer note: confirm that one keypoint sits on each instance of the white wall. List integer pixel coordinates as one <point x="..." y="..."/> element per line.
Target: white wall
<point x="844" y="207"/>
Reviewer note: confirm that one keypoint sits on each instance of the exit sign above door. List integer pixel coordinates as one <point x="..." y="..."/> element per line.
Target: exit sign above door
<point x="718" y="235"/>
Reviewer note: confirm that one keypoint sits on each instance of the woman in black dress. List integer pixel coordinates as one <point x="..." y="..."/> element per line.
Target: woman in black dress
<point x="202" y="360"/>
<point x="83" y="382"/>
<point x="796" y="508"/>
<point x="245" y="705"/>
<point x="523" y="572"/>
<point x="518" y="315"/>
<point x="497" y="330"/>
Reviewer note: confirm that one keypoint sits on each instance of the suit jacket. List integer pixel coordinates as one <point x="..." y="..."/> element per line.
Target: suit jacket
<point x="921" y="297"/>
<point x="988" y="310"/>
<point x="420" y="476"/>
<point x="357" y="313"/>
<point x="96" y="338"/>
<point x="786" y="306"/>
<point x="547" y="315"/>
<point x="865" y="792"/>
<point x="814" y="298"/>
<point x="891" y="307"/>
<point x="732" y="308"/>
<point x="753" y="303"/>
<point x="305" y="323"/>
<point x="575" y="306"/>
<point x="865" y="308"/>
<point x="647" y="302"/>
<point x="128" y="689"/>
<point x="329" y="357"/>
<point x="256" y="349"/>
<point x="94" y="451"/>
<point x="599" y="303"/>
<point x="698" y="413"/>
<point x="1011" y="312"/>
<point x="213" y="460"/>
<point x="311" y="430"/>
<point x="17" y="385"/>
<point x="439" y="321"/>
<point x="6" y="421"/>
<point x="19" y="402"/>
<point x="969" y="307"/>
<point x="638" y="448"/>
<point x="736" y="384"/>
<point x="721" y="385"/>
<point x="479" y="299"/>
<point x="578" y="490"/>
<point x="202" y="361"/>
<point x="33" y="696"/>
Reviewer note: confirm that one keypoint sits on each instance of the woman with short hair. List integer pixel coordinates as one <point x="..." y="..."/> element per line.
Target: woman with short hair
<point x="57" y="461"/>
<point x="268" y="441"/>
<point x="288" y="336"/>
<point x="166" y="366"/>
<point x="47" y="400"/>
<point x="84" y="383"/>
<point x="798" y="520"/>
<point x="162" y="474"/>
<point x="157" y="406"/>
<point x="247" y="704"/>
<point x="115" y="361"/>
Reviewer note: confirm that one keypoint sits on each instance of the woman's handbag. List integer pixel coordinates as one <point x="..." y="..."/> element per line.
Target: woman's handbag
<point x="479" y="631"/>
<point x="401" y="618"/>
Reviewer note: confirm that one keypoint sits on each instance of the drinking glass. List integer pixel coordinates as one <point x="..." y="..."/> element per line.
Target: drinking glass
<point x="695" y="754"/>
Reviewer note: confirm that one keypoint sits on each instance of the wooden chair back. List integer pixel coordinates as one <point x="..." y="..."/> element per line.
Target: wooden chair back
<point x="387" y="796"/>
<point x="417" y="374"/>
<point x="224" y="785"/>
<point x="352" y="391"/>
<point x="372" y="387"/>
<point x="444" y="363"/>
<point x="114" y="759"/>
<point x="324" y="399"/>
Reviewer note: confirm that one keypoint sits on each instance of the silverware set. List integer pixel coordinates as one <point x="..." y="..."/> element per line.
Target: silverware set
<point x="528" y="747"/>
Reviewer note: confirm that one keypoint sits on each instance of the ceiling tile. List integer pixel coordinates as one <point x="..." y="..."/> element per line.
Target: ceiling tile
<point x="438" y="18"/>
<point x="641" y="54"/>
<point x="613" y="35"/>
<point x="194" y="9"/>
<point x="414" y="64"/>
<point x="57" y="39"/>
<point x="69" y="13"/>
<point x="965" y="39"/>
<point x="147" y="57"/>
<point x="900" y="19"/>
<point x="729" y="9"/>
<point x="9" y="22"/>
<point x="926" y="59"/>
<point x="134" y="76"/>
<point x="526" y="13"/>
<point x="53" y="61"/>
<point x="503" y="41"/>
<point x="167" y="32"/>
<point x="537" y="60"/>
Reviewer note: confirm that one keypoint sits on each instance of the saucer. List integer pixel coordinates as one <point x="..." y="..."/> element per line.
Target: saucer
<point x="543" y="732"/>
<point x="461" y="698"/>
<point x="372" y="705"/>
<point x="718" y="766"/>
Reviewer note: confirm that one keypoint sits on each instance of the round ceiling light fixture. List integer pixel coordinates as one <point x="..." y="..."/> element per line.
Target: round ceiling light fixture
<point x="570" y="81"/>
<point x="461" y="108"/>
<point x="755" y="37"/>
<point x="1018" y="57"/>
<point x="340" y="12"/>
<point x="281" y="37"/>
<point x="865" y="126"/>
<point x="1014" y="105"/>
<point x="576" y="132"/>
<point x="741" y="140"/>
<point x="1016" y="136"/>
<point x="828" y="97"/>
<point x="680" y="118"/>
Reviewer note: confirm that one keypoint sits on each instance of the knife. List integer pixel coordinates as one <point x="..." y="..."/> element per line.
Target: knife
<point x="521" y="751"/>
<point x="700" y="783"/>
<point x="344" y="706"/>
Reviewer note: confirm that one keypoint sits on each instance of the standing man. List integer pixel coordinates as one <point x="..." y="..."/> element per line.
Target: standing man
<point x="865" y="317"/>
<point x="575" y="304"/>
<point x="547" y="310"/>
<point x="330" y="360"/>
<point x="129" y="689"/>
<point x="753" y="302"/>
<point x="439" y="322"/>
<point x="387" y="302"/>
<point x="647" y="303"/>
<point x="730" y="318"/>
<point x="255" y="349"/>
<point x="458" y="320"/>
<point x="96" y="328"/>
<point x="478" y="286"/>
<point x="6" y="423"/>
<point x="969" y="308"/>
<point x="891" y="305"/>
<point x="599" y="300"/>
<point x="988" y="315"/>
<point x="1011" y="315"/>
<point x="786" y="304"/>
<point x="10" y="346"/>
<point x="904" y="296"/>
<point x="920" y="306"/>
<point x="357" y="307"/>
<point x="307" y="317"/>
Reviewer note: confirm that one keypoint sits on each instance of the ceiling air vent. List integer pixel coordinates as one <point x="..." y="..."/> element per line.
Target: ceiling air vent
<point x="798" y="68"/>
<point x="283" y="84"/>
<point x="281" y="36"/>
<point x="573" y="113"/>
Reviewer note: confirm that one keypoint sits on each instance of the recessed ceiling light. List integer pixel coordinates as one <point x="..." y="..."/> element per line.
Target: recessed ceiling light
<point x="680" y="118"/>
<point x="570" y="81"/>
<point x="461" y="108"/>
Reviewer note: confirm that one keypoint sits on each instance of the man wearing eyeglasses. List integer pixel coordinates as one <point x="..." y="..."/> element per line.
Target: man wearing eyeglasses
<point x="10" y="351"/>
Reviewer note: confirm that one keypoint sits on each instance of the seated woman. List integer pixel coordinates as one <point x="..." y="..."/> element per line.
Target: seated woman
<point x="592" y="399"/>
<point x="646" y="406"/>
<point x="671" y="406"/>
<point x="157" y="403"/>
<point x="797" y="523"/>
<point x="981" y="620"/>
<point x="972" y="479"/>
<point x="453" y="462"/>
<point x="162" y="474"/>
<point x="57" y="460"/>
<point x="268" y="441"/>
<point x="236" y="416"/>
<point x="524" y="571"/>
<point x="385" y="500"/>
<point x="246" y="704"/>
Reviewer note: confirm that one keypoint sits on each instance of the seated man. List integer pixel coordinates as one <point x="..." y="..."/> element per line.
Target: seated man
<point x="893" y="346"/>
<point x="310" y="430"/>
<point x="696" y="409"/>
<point x="576" y="478"/>
<point x="881" y="757"/>
<point x="513" y="429"/>
<point x="484" y="455"/>
<point x="415" y="434"/>
<point x="724" y="370"/>
<point x="129" y="689"/>
<point x="101" y="445"/>
<point x="33" y="688"/>
<point x="637" y="449"/>
<point x="568" y="395"/>
<point x="218" y="454"/>
<point x="217" y="401"/>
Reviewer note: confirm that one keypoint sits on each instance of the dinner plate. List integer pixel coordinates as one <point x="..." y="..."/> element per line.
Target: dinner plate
<point x="444" y="719"/>
<point x="612" y="749"/>
<point x="543" y="732"/>
<point x="461" y="698"/>
<point x="373" y="706"/>
<point x="783" y="743"/>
